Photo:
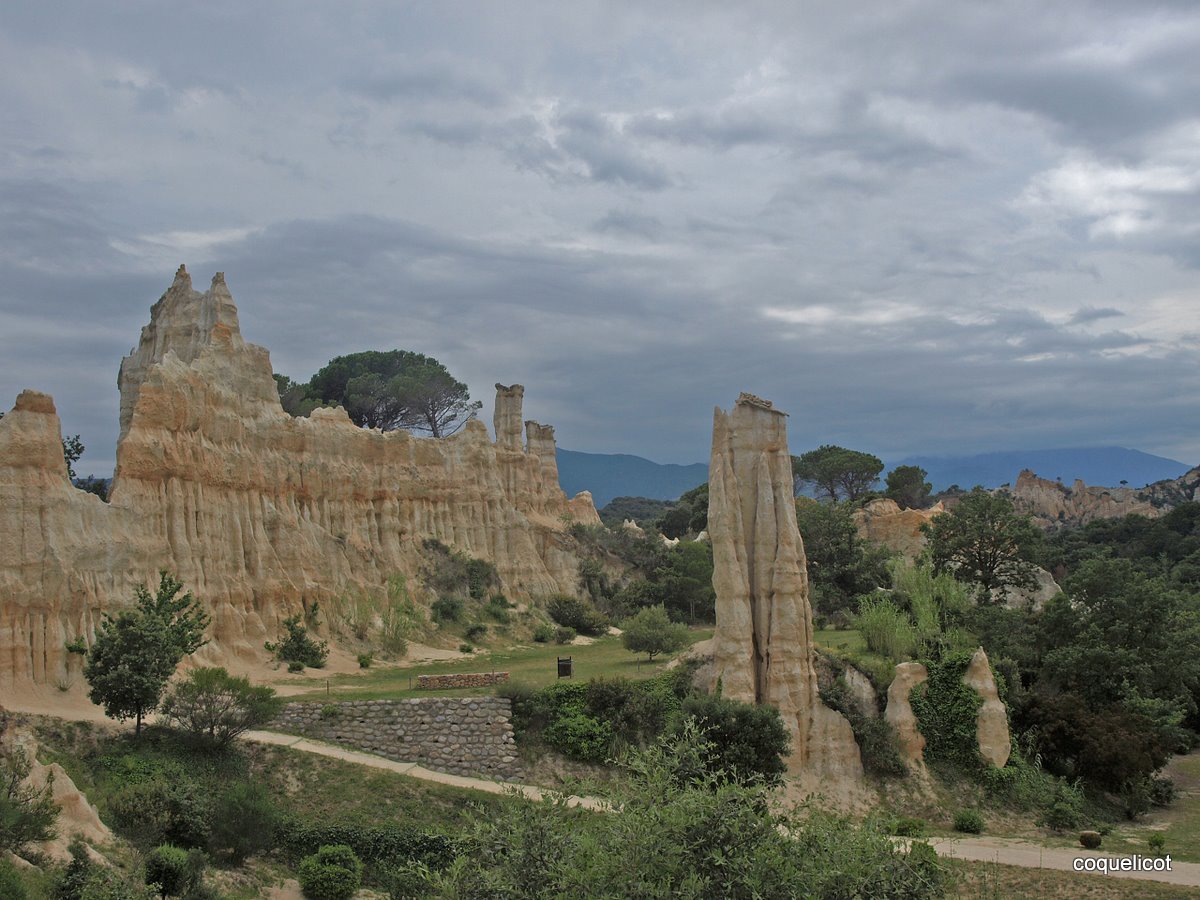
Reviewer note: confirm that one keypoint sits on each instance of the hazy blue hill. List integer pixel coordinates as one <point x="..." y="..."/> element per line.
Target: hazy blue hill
<point x="1100" y="466"/>
<point x="609" y="475"/>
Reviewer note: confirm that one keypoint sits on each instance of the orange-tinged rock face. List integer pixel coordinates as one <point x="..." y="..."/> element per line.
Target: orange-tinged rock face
<point x="255" y="511"/>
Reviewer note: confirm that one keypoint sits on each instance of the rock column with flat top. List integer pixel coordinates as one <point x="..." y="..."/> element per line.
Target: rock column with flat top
<point x="763" y="645"/>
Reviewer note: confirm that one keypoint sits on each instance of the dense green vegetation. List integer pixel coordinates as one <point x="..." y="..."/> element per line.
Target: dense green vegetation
<point x="642" y="510"/>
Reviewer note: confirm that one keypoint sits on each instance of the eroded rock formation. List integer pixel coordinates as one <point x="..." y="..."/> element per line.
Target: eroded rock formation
<point x="991" y="723"/>
<point x="1053" y="504"/>
<point x="884" y="522"/>
<point x="899" y="713"/>
<point x="763" y="644"/>
<point x="256" y="511"/>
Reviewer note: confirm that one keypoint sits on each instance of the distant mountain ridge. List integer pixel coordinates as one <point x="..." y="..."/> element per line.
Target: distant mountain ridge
<point x="1099" y="466"/>
<point x="609" y="475"/>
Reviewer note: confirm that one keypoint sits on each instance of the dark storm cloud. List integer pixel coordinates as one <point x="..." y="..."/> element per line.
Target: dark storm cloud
<point x="928" y="226"/>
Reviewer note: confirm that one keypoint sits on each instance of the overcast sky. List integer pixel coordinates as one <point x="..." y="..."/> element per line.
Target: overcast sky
<point x="918" y="227"/>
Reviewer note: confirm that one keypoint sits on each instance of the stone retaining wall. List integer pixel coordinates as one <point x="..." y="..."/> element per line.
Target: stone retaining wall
<point x="460" y="680"/>
<point x="457" y="735"/>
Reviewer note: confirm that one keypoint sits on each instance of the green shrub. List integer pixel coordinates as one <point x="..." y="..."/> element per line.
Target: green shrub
<point x="476" y="632"/>
<point x="886" y="629"/>
<point x="497" y="608"/>
<point x="168" y="867"/>
<point x="374" y="845"/>
<point x="446" y="609"/>
<point x="27" y="814"/>
<point x="1065" y="811"/>
<point x="564" y="634"/>
<point x="581" y="615"/>
<point x="580" y="736"/>
<point x="295" y="667"/>
<point x="747" y="743"/>
<point x="297" y="647"/>
<point x="244" y="821"/>
<point x="1157" y="843"/>
<point x="157" y="811"/>
<point x="11" y="886"/>
<point x="906" y="826"/>
<point x="332" y="873"/>
<point x="1090" y="839"/>
<point x="216" y="707"/>
<point x="946" y="711"/>
<point x="543" y="634"/>
<point x="466" y="648"/>
<point x="968" y="821"/>
<point x="1162" y="791"/>
<point x="365" y="660"/>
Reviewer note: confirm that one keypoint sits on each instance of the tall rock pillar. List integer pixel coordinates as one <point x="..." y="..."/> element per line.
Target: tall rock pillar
<point x="507" y="418"/>
<point x="763" y="645"/>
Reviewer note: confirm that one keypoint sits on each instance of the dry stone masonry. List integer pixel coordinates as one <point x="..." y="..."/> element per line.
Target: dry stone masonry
<point x="458" y="735"/>
<point x="255" y="511"/>
<point x="460" y="680"/>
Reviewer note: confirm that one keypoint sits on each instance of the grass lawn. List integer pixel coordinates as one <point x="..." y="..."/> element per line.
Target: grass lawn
<point x="533" y="664"/>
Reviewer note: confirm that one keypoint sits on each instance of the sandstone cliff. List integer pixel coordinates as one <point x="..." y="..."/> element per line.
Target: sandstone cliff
<point x="763" y="644"/>
<point x="884" y="522"/>
<point x="1053" y="504"/>
<point x="256" y="511"/>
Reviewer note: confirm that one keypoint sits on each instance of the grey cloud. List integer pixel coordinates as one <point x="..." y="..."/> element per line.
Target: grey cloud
<point x="627" y="222"/>
<point x="1088" y="314"/>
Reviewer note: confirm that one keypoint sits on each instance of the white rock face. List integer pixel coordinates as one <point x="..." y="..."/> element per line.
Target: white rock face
<point x="763" y="644"/>
<point x="254" y="510"/>
<point x="991" y="728"/>
<point x="899" y="713"/>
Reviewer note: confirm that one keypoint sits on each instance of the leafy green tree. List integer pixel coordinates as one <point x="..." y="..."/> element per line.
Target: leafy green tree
<point x="908" y="487"/>
<point x="840" y="564"/>
<point x="982" y="541"/>
<point x="748" y="743"/>
<point x="294" y="398"/>
<point x="217" y="706"/>
<point x="137" y="651"/>
<point x="651" y="631"/>
<point x="395" y="389"/>
<point x="689" y="515"/>
<point x="27" y="814"/>
<point x="838" y="472"/>
<point x="683" y="583"/>
<point x="297" y="647"/>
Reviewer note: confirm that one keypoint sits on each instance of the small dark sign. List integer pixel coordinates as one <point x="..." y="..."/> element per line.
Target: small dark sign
<point x="566" y="668"/>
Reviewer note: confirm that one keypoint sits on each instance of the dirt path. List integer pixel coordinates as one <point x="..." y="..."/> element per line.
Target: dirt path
<point x="414" y="770"/>
<point x="983" y="849"/>
<point x="1034" y="856"/>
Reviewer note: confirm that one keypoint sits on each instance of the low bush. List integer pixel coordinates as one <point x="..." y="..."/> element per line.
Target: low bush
<point x="1090" y="839"/>
<point x="906" y="826"/>
<point x="297" y="647"/>
<point x="375" y="845"/>
<point x="244" y="822"/>
<point x="332" y="873"/>
<point x="968" y="821"/>
<point x="564" y="634"/>
<point x="497" y="608"/>
<point x="466" y="648"/>
<point x="446" y="609"/>
<point x="1157" y="843"/>
<point x="578" y="614"/>
<point x="11" y="886"/>
<point x="172" y="869"/>
<point x="160" y="811"/>
<point x="476" y="632"/>
<point x="1162" y="791"/>
<point x="1065" y="811"/>
<point x="216" y="707"/>
<point x="580" y="736"/>
<point x="747" y="743"/>
<point x="543" y="634"/>
<point x="365" y="660"/>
